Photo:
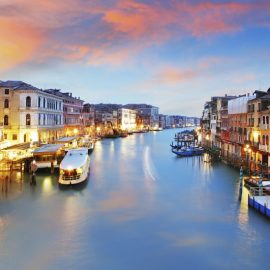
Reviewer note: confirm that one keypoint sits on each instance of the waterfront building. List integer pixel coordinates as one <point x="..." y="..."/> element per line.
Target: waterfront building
<point x="162" y="121"/>
<point x="258" y="128"/>
<point x="205" y="124"/>
<point x="72" y="109"/>
<point x="235" y="137"/>
<point x="147" y="115"/>
<point x="127" y="119"/>
<point x="29" y="114"/>
<point x="106" y="114"/>
<point x="168" y="123"/>
<point x="88" y="118"/>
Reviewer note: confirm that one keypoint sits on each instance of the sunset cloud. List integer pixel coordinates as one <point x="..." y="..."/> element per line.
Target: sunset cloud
<point x="96" y="31"/>
<point x="18" y="43"/>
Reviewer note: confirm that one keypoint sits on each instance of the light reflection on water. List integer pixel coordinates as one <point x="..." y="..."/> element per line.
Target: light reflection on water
<point x="142" y="208"/>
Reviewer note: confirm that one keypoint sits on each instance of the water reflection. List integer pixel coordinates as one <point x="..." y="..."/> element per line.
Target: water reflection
<point x="142" y="208"/>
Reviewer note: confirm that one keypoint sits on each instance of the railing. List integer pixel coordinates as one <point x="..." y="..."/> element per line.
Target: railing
<point x="260" y="191"/>
<point x="73" y="177"/>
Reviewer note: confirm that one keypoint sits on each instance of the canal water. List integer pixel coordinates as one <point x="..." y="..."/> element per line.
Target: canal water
<point x="142" y="208"/>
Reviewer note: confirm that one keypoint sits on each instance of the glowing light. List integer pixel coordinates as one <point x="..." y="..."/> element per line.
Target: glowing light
<point x="34" y="136"/>
<point x="75" y="131"/>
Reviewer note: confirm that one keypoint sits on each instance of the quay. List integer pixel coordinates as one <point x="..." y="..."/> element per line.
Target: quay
<point x="259" y="200"/>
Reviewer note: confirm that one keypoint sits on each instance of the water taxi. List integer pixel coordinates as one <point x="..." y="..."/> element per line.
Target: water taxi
<point x="75" y="166"/>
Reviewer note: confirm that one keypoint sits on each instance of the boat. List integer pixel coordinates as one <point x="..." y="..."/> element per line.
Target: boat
<point x="87" y="143"/>
<point x="188" y="151"/>
<point x="75" y="166"/>
<point x="186" y="145"/>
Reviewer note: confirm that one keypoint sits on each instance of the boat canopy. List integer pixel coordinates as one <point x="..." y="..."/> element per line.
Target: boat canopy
<point x="47" y="149"/>
<point x="74" y="159"/>
<point x="66" y="139"/>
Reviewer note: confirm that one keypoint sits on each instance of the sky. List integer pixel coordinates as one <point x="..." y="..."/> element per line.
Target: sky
<point x="168" y="53"/>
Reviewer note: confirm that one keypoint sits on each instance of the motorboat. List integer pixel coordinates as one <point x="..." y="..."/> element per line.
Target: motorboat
<point x="75" y="167"/>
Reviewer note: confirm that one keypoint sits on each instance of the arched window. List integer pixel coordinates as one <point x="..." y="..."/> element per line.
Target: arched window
<point x="263" y="140"/>
<point x="39" y="101"/>
<point x="263" y="119"/>
<point x="28" y="102"/>
<point x="6" y="120"/>
<point x="44" y="102"/>
<point x="266" y="140"/>
<point x="28" y="119"/>
<point x="6" y="103"/>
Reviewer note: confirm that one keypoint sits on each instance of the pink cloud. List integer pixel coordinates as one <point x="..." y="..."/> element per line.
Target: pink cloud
<point x="100" y="32"/>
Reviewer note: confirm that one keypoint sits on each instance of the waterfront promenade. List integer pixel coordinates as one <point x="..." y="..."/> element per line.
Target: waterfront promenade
<point x="142" y="208"/>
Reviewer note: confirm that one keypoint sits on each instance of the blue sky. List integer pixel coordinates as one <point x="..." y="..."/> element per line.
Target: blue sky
<point x="172" y="54"/>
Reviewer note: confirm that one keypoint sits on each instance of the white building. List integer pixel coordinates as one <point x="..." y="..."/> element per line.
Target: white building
<point x="29" y="114"/>
<point x="127" y="119"/>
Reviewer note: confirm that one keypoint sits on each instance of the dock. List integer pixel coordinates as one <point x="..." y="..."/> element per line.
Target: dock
<point x="259" y="201"/>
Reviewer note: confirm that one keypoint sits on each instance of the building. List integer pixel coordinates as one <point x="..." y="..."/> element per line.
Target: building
<point x="258" y="128"/>
<point x="29" y="114"/>
<point x="127" y="119"/>
<point x="162" y="121"/>
<point x="88" y="118"/>
<point x="147" y="115"/>
<point x="235" y="134"/>
<point x="72" y="109"/>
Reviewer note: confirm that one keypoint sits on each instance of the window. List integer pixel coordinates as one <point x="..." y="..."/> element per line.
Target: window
<point x="267" y="120"/>
<point x="266" y="140"/>
<point x="44" y="103"/>
<point x="263" y="140"/>
<point x="5" y="136"/>
<point x="6" y="91"/>
<point x="39" y="119"/>
<point x="6" y="103"/>
<point x="28" y="119"/>
<point x="28" y="102"/>
<point x="14" y="137"/>
<point x="39" y="101"/>
<point x="6" y="120"/>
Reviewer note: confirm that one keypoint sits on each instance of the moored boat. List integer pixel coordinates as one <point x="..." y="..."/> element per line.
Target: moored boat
<point x="75" y="166"/>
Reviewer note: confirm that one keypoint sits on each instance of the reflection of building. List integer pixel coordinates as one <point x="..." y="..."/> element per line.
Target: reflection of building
<point x="127" y="119"/>
<point x="29" y="114"/>
<point x="72" y="107"/>
<point x="147" y="115"/>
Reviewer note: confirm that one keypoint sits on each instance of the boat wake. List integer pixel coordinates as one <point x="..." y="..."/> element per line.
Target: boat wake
<point x="148" y="166"/>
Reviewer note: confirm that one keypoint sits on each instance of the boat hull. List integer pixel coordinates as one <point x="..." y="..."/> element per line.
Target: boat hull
<point x="73" y="180"/>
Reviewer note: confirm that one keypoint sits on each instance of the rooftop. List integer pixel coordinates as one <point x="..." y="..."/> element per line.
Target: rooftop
<point x="18" y="85"/>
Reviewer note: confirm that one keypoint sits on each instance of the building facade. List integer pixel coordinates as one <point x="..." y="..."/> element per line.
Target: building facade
<point x="127" y="119"/>
<point x="147" y="115"/>
<point x="72" y="110"/>
<point x="29" y="114"/>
